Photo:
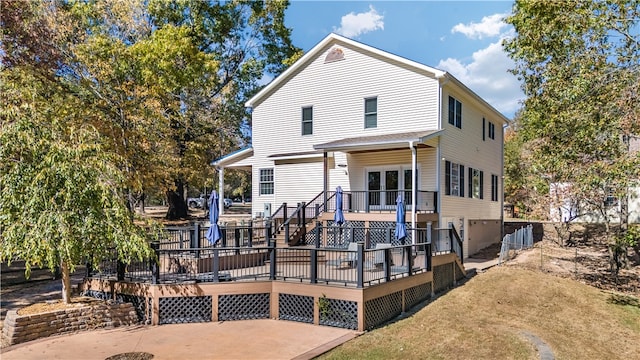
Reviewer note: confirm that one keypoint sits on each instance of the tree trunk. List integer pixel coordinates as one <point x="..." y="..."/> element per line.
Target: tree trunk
<point x="66" y="282"/>
<point x="177" y="205"/>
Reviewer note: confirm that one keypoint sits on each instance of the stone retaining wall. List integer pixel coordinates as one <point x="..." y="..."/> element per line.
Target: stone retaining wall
<point x="22" y="328"/>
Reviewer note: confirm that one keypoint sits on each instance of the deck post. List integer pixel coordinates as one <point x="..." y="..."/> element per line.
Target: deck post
<point x="267" y="232"/>
<point x="120" y="270"/>
<point x="304" y="220"/>
<point x="410" y="251"/>
<point x="387" y="264"/>
<point x="195" y="239"/>
<point x="360" y="265"/>
<point x="250" y="228"/>
<point x="216" y="265"/>
<point x="314" y="255"/>
<point x="89" y="269"/>
<point x="155" y="263"/>
<point x="236" y="241"/>
<point x="272" y="262"/>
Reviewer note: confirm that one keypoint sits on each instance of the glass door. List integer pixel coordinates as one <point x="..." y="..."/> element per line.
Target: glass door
<point x="408" y="185"/>
<point x="374" y="186"/>
<point x="383" y="188"/>
<point x="391" y="182"/>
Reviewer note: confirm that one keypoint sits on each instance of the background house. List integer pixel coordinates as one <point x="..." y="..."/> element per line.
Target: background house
<point x="377" y="125"/>
<point x="564" y="210"/>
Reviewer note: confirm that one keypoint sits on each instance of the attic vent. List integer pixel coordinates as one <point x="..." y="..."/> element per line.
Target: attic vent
<point x="335" y="54"/>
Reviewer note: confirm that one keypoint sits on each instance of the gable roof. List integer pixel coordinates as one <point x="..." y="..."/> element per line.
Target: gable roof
<point x="334" y="39"/>
<point x="442" y="76"/>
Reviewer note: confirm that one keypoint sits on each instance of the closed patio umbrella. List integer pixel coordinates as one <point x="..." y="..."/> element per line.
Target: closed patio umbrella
<point x="401" y="227"/>
<point x="213" y="235"/>
<point x="338" y="217"/>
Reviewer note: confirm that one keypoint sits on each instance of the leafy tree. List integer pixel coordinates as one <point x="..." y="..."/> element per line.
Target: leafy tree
<point x="579" y="63"/>
<point x="245" y="40"/>
<point x="169" y="80"/>
<point x="61" y="202"/>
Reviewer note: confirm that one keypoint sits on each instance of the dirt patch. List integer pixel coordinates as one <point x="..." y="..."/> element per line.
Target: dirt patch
<point x="52" y="305"/>
<point x="585" y="259"/>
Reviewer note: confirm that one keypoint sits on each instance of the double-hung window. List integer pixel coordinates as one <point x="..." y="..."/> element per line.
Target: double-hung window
<point x="307" y="120"/>
<point x="492" y="130"/>
<point x="371" y="113"/>
<point x="455" y="112"/>
<point x="494" y="187"/>
<point x="454" y="179"/>
<point x="476" y="186"/>
<point x="266" y="181"/>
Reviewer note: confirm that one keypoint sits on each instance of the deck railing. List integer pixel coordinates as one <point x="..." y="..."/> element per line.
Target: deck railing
<point x="248" y="256"/>
<point x="383" y="200"/>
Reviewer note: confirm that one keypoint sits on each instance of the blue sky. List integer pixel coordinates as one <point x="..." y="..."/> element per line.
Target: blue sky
<point x="461" y="37"/>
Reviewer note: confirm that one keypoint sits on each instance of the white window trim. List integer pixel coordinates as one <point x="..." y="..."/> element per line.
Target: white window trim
<point x="273" y="172"/>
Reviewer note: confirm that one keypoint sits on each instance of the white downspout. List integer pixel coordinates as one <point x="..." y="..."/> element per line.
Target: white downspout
<point x="221" y="189"/>
<point x="439" y="149"/>
<point x="414" y="166"/>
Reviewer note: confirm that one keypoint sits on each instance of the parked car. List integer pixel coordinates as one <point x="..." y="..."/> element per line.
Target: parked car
<point x="198" y="202"/>
<point x="202" y="202"/>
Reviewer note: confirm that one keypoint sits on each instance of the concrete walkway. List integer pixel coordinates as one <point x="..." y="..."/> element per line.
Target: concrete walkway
<point x="249" y="339"/>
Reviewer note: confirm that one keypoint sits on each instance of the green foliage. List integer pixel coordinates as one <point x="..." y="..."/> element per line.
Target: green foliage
<point x="61" y="198"/>
<point x="579" y="65"/>
<point x="164" y="83"/>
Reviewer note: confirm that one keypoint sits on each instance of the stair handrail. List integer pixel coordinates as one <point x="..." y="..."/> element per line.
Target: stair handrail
<point x="285" y="224"/>
<point x="458" y="250"/>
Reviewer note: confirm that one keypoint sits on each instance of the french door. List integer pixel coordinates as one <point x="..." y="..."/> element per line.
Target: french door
<point x="383" y="187"/>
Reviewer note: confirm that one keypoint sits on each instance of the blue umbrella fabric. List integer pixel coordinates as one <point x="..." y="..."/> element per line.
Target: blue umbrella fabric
<point x="213" y="235"/>
<point x="338" y="217"/>
<point x="401" y="227"/>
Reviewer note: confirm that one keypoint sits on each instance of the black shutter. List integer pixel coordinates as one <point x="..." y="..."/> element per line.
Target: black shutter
<point x="461" y="172"/>
<point x="452" y="111"/>
<point x="481" y="184"/>
<point x="484" y="130"/>
<point x="470" y="182"/>
<point x="447" y="178"/>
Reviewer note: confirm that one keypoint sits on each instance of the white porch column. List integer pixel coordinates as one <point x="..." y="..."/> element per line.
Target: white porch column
<point x="414" y="175"/>
<point x="221" y="190"/>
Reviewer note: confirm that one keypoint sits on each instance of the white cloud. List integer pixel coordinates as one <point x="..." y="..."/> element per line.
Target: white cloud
<point x="353" y="25"/>
<point x="487" y="75"/>
<point x="490" y="26"/>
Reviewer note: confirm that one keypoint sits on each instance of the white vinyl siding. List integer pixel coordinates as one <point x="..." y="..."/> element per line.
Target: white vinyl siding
<point x="297" y="182"/>
<point x="426" y="158"/>
<point x="466" y="147"/>
<point x="410" y="103"/>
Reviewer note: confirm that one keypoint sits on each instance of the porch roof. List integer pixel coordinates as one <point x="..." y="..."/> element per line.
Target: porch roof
<point x="374" y="142"/>
<point x="237" y="159"/>
<point x="298" y="155"/>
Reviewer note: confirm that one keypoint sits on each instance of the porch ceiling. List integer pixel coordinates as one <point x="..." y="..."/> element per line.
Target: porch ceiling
<point x="379" y="142"/>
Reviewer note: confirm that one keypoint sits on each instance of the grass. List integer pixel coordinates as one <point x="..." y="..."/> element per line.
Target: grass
<point x="485" y="319"/>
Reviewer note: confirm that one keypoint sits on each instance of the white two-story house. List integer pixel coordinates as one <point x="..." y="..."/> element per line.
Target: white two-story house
<point x="377" y="125"/>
